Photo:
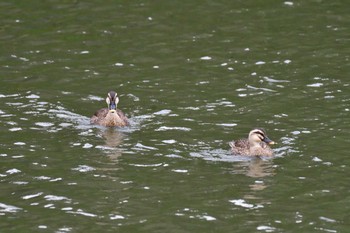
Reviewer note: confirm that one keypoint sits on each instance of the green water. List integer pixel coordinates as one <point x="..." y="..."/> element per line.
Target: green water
<point x="191" y="76"/>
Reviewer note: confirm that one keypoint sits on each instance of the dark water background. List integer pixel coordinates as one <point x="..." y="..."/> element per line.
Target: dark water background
<point x="191" y="75"/>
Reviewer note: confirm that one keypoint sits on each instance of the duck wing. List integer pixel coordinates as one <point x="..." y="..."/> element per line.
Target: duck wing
<point x="98" y="115"/>
<point x="123" y="117"/>
<point x="241" y="143"/>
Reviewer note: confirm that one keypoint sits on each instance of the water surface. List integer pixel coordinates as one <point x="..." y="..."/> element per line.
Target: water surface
<point x="191" y="77"/>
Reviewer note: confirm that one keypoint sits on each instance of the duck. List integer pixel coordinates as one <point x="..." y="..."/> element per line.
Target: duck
<point x="110" y="116"/>
<point x="257" y="144"/>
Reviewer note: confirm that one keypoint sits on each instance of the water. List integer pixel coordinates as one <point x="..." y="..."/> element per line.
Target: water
<point x="191" y="77"/>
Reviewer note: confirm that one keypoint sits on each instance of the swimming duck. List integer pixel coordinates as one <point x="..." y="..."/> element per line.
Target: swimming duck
<point x="257" y="144"/>
<point x="110" y="116"/>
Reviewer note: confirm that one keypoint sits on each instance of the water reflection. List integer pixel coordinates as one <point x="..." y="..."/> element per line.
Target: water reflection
<point x="255" y="168"/>
<point x="250" y="166"/>
<point x="113" y="138"/>
<point x="258" y="167"/>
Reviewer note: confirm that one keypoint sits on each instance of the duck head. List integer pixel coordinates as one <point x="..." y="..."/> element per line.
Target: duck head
<point x="112" y="101"/>
<point x="259" y="135"/>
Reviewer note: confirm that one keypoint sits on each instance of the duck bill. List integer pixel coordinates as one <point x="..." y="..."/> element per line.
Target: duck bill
<point x="269" y="141"/>
<point x="113" y="107"/>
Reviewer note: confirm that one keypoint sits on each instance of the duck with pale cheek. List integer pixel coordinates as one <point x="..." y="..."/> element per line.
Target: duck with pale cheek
<point x="257" y="144"/>
<point x="110" y="116"/>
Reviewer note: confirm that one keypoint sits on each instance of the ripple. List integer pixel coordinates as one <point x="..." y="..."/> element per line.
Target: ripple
<point x="56" y="198"/>
<point x="206" y="217"/>
<point x="243" y="203"/>
<point x="139" y="145"/>
<point x="13" y="171"/>
<point x="20" y="182"/>
<point x="64" y="229"/>
<point x="134" y="98"/>
<point x="219" y="155"/>
<point x="83" y="168"/>
<point x="288" y="3"/>
<point x="260" y="88"/>
<point x="8" y="208"/>
<point x="11" y="95"/>
<point x="266" y="228"/>
<point x="44" y="124"/>
<point x="116" y="217"/>
<point x="87" y="145"/>
<point x="316" y="159"/>
<point x="327" y="219"/>
<point x="189" y="212"/>
<point x="315" y="85"/>
<point x="206" y="58"/>
<point x="171" y="141"/>
<point x="173" y="156"/>
<point x="81" y="212"/>
<point x="32" y="96"/>
<point x="271" y="80"/>
<point x="15" y="129"/>
<point x="14" y="103"/>
<point x="260" y="63"/>
<point x="227" y="124"/>
<point x="26" y="197"/>
<point x="42" y="178"/>
<point x="163" y="112"/>
<point x="70" y="116"/>
<point x="93" y="97"/>
<point x="65" y="124"/>
<point x="166" y="128"/>
<point x="190" y="108"/>
<point x="149" y="165"/>
<point x="180" y="170"/>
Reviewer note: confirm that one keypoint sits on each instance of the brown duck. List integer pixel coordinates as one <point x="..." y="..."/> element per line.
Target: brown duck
<point x="257" y="144"/>
<point x="110" y="116"/>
